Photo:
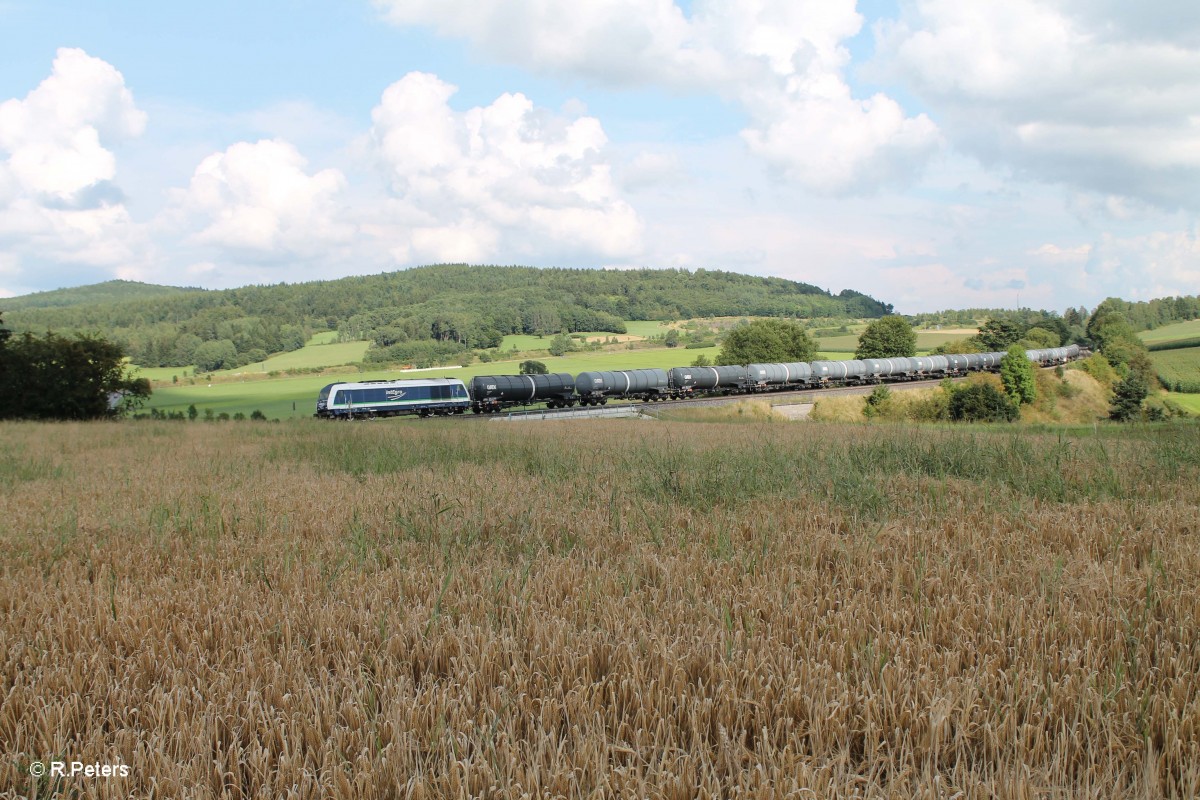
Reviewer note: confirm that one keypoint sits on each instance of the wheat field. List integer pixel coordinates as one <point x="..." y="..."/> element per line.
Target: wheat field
<point x="599" y="609"/>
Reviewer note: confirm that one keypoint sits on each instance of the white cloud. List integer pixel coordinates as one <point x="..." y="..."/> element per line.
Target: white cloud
<point x="1102" y="98"/>
<point x="1054" y="253"/>
<point x="1158" y="264"/>
<point x="53" y="135"/>
<point x="59" y="201"/>
<point x="502" y="182"/>
<point x="258" y="200"/>
<point x="782" y="61"/>
<point x="614" y="42"/>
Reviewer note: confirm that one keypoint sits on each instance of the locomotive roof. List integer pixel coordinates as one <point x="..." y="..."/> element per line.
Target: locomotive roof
<point x="399" y="382"/>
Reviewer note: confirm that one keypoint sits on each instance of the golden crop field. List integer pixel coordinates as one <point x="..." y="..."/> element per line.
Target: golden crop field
<point x="599" y="609"/>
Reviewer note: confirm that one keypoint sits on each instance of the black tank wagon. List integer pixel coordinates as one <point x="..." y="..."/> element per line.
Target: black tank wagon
<point x="491" y="393"/>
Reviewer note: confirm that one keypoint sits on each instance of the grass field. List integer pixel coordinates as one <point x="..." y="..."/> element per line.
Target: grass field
<point x="1170" y="333"/>
<point x="322" y="350"/>
<point x="1189" y="402"/>
<point x="926" y="340"/>
<point x="600" y="609"/>
<point x="1175" y="366"/>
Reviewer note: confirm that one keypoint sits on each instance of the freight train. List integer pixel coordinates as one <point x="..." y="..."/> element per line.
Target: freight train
<point x="491" y="393"/>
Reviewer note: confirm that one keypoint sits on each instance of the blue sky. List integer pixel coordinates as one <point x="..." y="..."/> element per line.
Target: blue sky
<point x="932" y="153"/>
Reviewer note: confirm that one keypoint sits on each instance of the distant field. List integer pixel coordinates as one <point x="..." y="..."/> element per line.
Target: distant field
<point x="311" y="356"/>
<point x="1174" y="366"/>
<point x="1169" y="333"/>
<point x="926" y="340"/>
<point x="529" y="343"/>
<point x="322" y="350"/>
<point x="1189" y="402"/>
<point x="325" y="337"/>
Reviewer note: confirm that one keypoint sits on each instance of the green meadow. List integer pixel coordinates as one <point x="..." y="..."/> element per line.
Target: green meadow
<point x="926" y="341"/>
<point x="323" y="350"/>
<point x="1188" y="402"/>
<point x="1173" y="332"/>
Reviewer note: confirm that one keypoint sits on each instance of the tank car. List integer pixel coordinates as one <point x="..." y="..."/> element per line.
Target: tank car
<point x="853" y="371"/>
<point x="595" y="388"/>
<point x="761" y="377"/>
<point x="685" y="381"/>
<point x="491" y="393"/>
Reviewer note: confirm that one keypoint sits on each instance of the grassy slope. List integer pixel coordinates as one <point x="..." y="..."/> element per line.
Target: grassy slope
<point x="1189" y="402"/>
<point x="926" y="341"/>
<point x="322" y="350"/>
<point x="1169" y="333"/>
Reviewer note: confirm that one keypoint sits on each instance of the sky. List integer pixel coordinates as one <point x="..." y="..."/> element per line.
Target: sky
<point x="932" y="153"/>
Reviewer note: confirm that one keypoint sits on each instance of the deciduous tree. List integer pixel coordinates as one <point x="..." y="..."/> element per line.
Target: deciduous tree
<point x="1016" y="373"/>
<point x="767" y="341"/>
<point x="887" y="337"/>
<point x="55" y="377"/>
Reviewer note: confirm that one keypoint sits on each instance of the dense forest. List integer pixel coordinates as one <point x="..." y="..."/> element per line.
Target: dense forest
<point x="412" y="314"/>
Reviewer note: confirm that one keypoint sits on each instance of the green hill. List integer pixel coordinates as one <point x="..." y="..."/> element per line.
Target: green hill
<point x="416" y="315"/>
<point x="95" y="294"/>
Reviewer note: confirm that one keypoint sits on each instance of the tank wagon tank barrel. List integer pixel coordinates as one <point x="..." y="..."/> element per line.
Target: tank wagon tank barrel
<point x="492" y="393"/>
<point x="595" y="388"/>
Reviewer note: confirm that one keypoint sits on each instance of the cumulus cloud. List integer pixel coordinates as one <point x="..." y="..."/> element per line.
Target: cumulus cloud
<point x="1100" y="96"/>
<point x="257" y="199"/>
<point x="504" y="181"/>
<point x="613" y="42"/>
<point x="59" y="199"/>
<point x="782" y="61"/>
<point x="1158" y="264"/>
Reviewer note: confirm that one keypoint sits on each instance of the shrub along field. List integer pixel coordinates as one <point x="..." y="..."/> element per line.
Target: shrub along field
<point x="600" y="609"/>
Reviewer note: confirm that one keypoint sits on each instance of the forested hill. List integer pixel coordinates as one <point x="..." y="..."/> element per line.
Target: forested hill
<point x="424" y="312"/>
<point x="95" y="294"/>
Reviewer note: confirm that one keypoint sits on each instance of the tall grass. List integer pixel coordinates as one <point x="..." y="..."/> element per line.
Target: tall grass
<point x="601" y="609"/>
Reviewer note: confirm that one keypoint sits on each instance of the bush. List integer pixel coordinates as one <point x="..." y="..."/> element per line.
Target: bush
<point x="533" y="368"/>
<point x="878" y="402"/>
<point x="981" y="402"/>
